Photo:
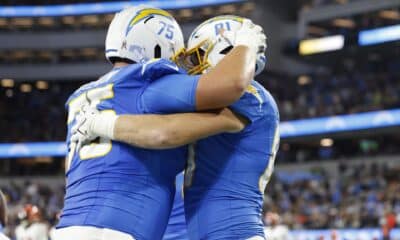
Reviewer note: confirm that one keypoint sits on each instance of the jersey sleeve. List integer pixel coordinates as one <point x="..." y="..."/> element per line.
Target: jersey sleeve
<point x="251" y="105"/>
<point x="174" y="93"/>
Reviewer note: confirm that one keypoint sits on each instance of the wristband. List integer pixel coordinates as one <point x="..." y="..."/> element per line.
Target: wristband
<point x="103" y="125"/>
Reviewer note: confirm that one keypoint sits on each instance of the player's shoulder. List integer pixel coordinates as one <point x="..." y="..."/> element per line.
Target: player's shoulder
<point x="255" y="93"/>
<point x="148" y="71"/>
<point x="259" y="100"/>
<point x="256" y="90"/>
<point x="157" y="68"/>
<point x="270" y="103"/>
<point x="105" y="79"/>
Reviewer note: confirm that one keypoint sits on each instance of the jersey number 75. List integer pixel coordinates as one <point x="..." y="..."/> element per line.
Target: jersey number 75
<point x="91" y="97"/>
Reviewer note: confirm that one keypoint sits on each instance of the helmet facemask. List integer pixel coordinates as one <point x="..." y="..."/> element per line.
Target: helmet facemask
<point x="211" y="41"/>
<point x="195" y="60"/>
<point x="206" y="54"/>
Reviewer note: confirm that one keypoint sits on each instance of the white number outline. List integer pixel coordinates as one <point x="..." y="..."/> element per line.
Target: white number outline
<point x="88" y="151"/>
<point x="266" y="176"/>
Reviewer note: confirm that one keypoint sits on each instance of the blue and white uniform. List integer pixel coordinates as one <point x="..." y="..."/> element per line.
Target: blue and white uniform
<point x="111" y="185"/>
<point x="225" y="183"/>
<point x="176" y="229"/>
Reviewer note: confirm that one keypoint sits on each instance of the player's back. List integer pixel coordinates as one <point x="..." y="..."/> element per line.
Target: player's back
<point x="224" y="185"/>
<point x="111" y="184"/>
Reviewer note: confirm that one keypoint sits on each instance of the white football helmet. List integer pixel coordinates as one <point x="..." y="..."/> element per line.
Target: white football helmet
<point x="212" y="40"/>
<point x="142" y="33"/>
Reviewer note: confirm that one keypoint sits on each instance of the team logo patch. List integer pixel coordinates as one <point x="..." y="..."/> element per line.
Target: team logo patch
<point x="143" y="14"/>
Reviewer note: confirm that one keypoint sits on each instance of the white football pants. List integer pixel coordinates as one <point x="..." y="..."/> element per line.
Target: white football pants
<point x="256" y="238"/>
<point x="90" y="233"/>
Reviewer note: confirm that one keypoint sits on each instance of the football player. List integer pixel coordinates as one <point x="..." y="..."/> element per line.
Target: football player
<point x="224" y="185"/>
<point x="32" y="226"/>
<point x="225" y="181"/>
<point x="274" y="229"/>
<point x="115" y="191"/>
<point x="3" y="216"/>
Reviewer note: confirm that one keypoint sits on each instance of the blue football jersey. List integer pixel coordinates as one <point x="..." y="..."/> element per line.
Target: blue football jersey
<point x="225" y="183"/>
<point x="111" y="184"/>
<point x="176" y="229"/>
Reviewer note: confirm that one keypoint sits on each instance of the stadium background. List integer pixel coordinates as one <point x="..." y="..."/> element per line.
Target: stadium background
<point x="333" y="67"/>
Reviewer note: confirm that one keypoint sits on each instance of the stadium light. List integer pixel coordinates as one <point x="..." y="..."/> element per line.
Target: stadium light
<point x="25" y="88"/>
<point x="46" y="21"/>
<point x="186" y="13"/>
<point x="3" y="22"/>
<point x="303" y="80"/>
<point x="22" y="22"/>
<point x="42" y="85"/>
<point x="344" y="23"/>
<point x="68" y="20"/>
<point x="320" y="45"/>
<point x="379" y="35"/>
<point x="314" y="30"/>
<point x="7" y="83"/>
<point x="326" y="142"/>
<point x="390" y="14"/>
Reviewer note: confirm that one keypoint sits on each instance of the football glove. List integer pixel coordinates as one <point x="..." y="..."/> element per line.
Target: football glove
<point x="90" y="124"/>
<point x="252" y="36"/>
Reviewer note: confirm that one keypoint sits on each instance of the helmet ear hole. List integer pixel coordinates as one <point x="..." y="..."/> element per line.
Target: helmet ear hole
<point x="157" y="51"/>
<point x="226" y="50"/>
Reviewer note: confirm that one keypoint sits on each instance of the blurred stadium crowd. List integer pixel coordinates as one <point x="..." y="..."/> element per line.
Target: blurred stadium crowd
<point x="26" y="113"/>
<point x="360" y="196"/>
<point x="343" y="93"/>
<point x="315" y="3"/>
<point x="305" y="97"/>
<point x="357" y="197"/>
<point x="49" y="2"/>
<point x="47" y="199"/>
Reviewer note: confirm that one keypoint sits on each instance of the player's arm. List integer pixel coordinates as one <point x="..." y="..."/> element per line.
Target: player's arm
<point x="158" y="131"/>
<point x="227" y="81"/>
<point x="169" y="131"/>
<point x="219" y="88"/>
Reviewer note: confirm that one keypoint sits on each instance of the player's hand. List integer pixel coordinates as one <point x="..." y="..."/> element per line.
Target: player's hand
<point x="90" y="124"/>
<point x="252" y="36"/>
<point x="82" y="131"/>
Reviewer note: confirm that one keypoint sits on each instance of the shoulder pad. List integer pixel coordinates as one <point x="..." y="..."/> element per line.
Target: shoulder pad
<point x="157" y="68"/>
